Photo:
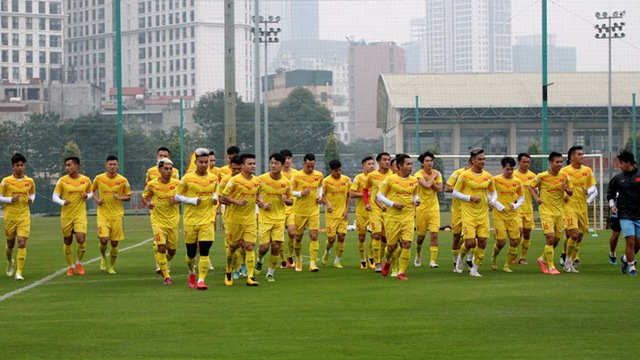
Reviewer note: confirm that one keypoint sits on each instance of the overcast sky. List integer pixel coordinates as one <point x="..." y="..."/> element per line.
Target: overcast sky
<point x="571" y="20"/>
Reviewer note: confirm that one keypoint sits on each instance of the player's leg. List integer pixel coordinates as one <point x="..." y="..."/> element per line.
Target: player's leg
<point x="191" y="244"/>
<point x="331" y="225"/>
<point x="248" y="242"/>
<point x="204" y="245"/>
<point x="314" y="225"/>
<point x="11" y="233"/>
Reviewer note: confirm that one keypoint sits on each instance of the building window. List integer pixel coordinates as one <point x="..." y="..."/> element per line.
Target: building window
<point x="15" y="5"/>
<point x="15" y="39"/>
<point x="42" y="24"/>
<point x="41" y="7"/>
<point x="42" y="40"/>
<point x="15" y="56"/>
<point x="56" y="24"/>
<point x="55" y="41"/>
<point x="54" y="8"/>
<point x="29" y="40"/>
<point x="43" y="57"/>
<point x="4" y="22"/>
<point x="15" y="22"/>
<point x="28" y="23"/>
<point x="5" y="56"/>
<point x="4" y="39"/>
<point x="29" y="57"/>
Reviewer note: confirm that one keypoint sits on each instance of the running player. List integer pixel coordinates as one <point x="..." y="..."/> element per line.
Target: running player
<point x="240" y="196"/>
<point x="165" y="215"/>
<point x="198" y="191"/>
<point x="362" y="215"/>
<point x="226" y="169"/>
<point x="552" y="185"/>
<point x="307" y="188"/>
<point x="274" y="196"/>
<point x="72" y="192"/>
<point x="17" y="192"/>
<point x="376" y="208"/>
<point x="428" y="213"/>
<point x="505" y="217"/>
<point x="456" y="220"/>
<point x="153" y="172"/>
<point x="335" y="195"/>
<point x="110" y="189"/>
<point x="288" y="172"/>
<point x="525" y="212"/>
<point x="476" y="189"/>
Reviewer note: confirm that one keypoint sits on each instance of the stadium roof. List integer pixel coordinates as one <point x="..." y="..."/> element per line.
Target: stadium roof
<point x="506" y="89"/>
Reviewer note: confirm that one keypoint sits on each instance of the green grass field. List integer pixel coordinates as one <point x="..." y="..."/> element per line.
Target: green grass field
<point x="348" y="313"/>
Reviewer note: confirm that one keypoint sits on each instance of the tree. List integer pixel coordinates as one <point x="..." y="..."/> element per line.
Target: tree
<point x="629" y="145"/>
<point x="300" y="123"/>
<point x="331" y="152"/>
<point x="71" y="149"/>
<point x="537" y="164"/>
<point x="361" y="148"/>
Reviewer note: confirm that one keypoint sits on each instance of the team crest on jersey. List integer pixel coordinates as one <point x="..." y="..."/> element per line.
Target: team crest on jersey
<point x="172" y="187"/>
<point x="211" y="181"/>
<point x="283" y="186"/>
<point x="117" y="183"/>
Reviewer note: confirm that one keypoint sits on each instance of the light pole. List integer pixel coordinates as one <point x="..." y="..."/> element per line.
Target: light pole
<point x="610" y="31"/>
<point x="266" y="34"/>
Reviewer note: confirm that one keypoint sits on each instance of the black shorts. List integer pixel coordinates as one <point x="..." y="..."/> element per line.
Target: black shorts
<point x="615" y="224"/>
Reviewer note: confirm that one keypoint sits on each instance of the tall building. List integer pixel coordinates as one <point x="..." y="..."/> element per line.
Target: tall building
<point x="169" y="47"/>
<point x="31" y="41"/>
<point x="468" y="36"/>
<point x="527" y="55"/>
<point x="366" y="62"/>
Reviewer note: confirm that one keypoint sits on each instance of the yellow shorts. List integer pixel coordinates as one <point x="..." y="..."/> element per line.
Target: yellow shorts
<point x="526" y="220"/>
<point x="476" y="228"/>
<point x="311" y="222"/>
<point x="271" y="232"/>
<point x="290" y="218"/>
<point x="165" y="236"/>
<point x="335" y="226"/>
<point x="20" y="228"/>
<point x="456" y="222"/>
<point x="110" y="228"/>
<point x="238" y="232"/>
<point x="399" y="230"/>
<point x="552" y="224"/>
<point x="70" y="225"/>
<point x="427" y="220"/>
<point x="376" y="222"/>
<point x="573" y="220"/>
<point x="504" y="228"/>
<point x="195" y="233"/>
<point x="361" y="223"/>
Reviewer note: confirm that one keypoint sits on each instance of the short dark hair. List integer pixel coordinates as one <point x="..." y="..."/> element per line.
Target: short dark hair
<point x="277" y="157"/>
<point x="245" y="156"/>
<point x="392" y="161"/>
<point x="335" y="164"/>
<point x="400" y="158"/>
<point x="18" y="157"/>
<point x="475" y="152"/>
<point x="572" y="150"/>
<point x="75" y="159"/>
<point x="508" y="160"/>
<point x="309" y="157"/>
<point x="111" y="158"/>
<point x="424" y="155"/>
<point x="162" y="148"/>
<point x="380" y="155"/>
<point x="212" y="153"/>
<point x="236" y="160"/>
<point x="626" y="156"/>
<point x="522" y="155"/>
<point x="367" y="158"/>
<point x="286" y="153"/>
<point x="553" y="155"/>
<point x="233" y="150"/>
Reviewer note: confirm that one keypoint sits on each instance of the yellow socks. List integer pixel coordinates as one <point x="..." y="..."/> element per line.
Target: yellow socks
<point x="230" y="258"/>
<point x="361" y="250"/>
<point x="9" y="252"/>
<point x="405" y="254"/>
<point x="328" y="246"/>
<point x="113" y="254"/>
<point x="203" y="267"/>
<point x="161" y="259"/>
<point x="477" y="260"/>
<point x="297" y="247"/>
<point x="273" y="261"/>
<point x="511" y="255"/>
<point x="375" y="247"/>
<point x="548" y="256"/>
<point x="313" y="251"/>
<point x="419" y="250"/>
<point x="68" y="254"/>
<point x="22" y="256"/>
<point x="191" y="264"/>
<point x="80" y="250"/>
<point x="250" y="261"/>
<point x="525" y="247"/>
<point x="433" y="252"/>
<point x="339" y="249"/>
<point x="103" y="250"/>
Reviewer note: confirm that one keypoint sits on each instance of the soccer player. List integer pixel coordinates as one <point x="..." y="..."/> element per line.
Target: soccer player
<point x="376" y="208"/>
<point x="456" y="219"/>
<point x="505" y="216"/>
<point x="274" y="196"/>
<point x="17" y="192"/>
<point x="198" y="191"/>
<point x="226" y="169"/>
<point x="362" y="215"/>
<point x="428" y="213"/>
<point x="240" y="196"/>
<point x="626" y="185"/>
<point x="213" y="169"/>
<point x="235" y="165"/>
<point x="110" y="189"/>
<point x="399" y="192"/>
<point x="393" y="166"/>
<point x="72" y="192"/>
<point x="576" y="207"/>
<point x="552" y="185"/>
<point x="476" y="189"/>
<point x="153" y="172"/>
<point x="307" y="188"/>
<point x="336" y="199"/>
<point x="288" y="171"/>
<point x="165" y="215"/>
<point x="525" y="212"/>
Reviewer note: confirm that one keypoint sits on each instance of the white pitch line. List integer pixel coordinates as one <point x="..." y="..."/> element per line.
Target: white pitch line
<point x="45" y="279"/>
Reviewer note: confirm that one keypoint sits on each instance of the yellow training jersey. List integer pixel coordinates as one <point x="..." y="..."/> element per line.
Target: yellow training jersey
<point x="551" y="192"/>
<point x="271" y="191"/>
<point x="154" y="173"/>
<point x="455" y="203"/>
<point x="470" y="183"/>
<point x="359" y="181"/>
<point x="399" y="190"/>
<point x="214" y="171"/>
<point x="306" y="205"/>
<point x="289" y="174"/>
<point x="526" y="179"/>
<point x="164" y="214"/>
<point x="509" y="191"/>
<point x="241" y="188"/>
<point x="107" y="187"/>
<point x="224" y="172"/>
<point x="17" y="211"/>
<point x="581" y="179"/>
<point x="336" y="191"/>
<point x="72" y="189"/>
<point x="373" y="182"/>
<point x="193" y="185"/>
<point x="428" y="197"/>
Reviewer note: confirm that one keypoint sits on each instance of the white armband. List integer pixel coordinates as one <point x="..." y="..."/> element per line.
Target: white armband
<point x="492" y="197"/>
<point x="384" y="199"/>
<point x="498" y="205"/>
<point x="186" y="200"/>
<point x="4" y="199"/>
<point x="89" y="196"/>
<point x="32" y="197"/>
<point x="612" y="203"/>
<point x="320" y="191"/>
<point x="56" y="199"/>
<point x="458" y="195"/>
<point x="215" y="196"/>
<point x="592" y="192"/>
<point x="518" y="203"/>
<point x="416" y="197"/>
<point x="296" y="193"/>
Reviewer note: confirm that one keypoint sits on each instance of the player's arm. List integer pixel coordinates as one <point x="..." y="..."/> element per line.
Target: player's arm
<point x="147" y="198"/>
<point x="437" y="182"/>
<point x="181" y="197"/>
<point x="533" y="190"/>
<point x="353" y="190"/>
<point x="345" y="215"/>
<point x="451" y="183"/>
<point x="567" y="186"/>
<point x="319" y="198"/>
<point x="126" y="196"/>
<point x="227" y="199"/>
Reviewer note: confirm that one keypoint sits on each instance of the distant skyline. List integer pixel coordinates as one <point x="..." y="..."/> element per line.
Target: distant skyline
<point x="571" y="20"/>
